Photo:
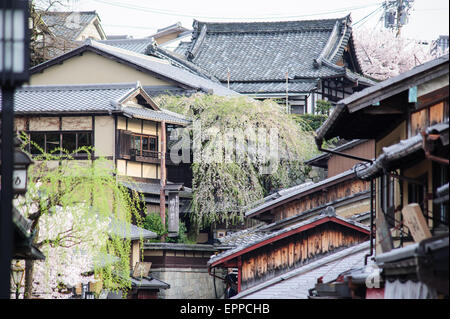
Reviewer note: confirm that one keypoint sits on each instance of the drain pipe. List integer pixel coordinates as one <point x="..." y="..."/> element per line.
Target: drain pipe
<point x="371" y="223"/>
<point x="344" y="155"/>
<point x="427" y="150"/>
<point x="214" y="280"/>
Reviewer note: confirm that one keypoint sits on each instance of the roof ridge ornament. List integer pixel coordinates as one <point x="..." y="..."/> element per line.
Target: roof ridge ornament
<point x="196" y="43"/>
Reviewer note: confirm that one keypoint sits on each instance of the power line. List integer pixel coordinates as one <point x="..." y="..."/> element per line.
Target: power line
<point x="363" y="20"/>
<point x="179" y="14"/>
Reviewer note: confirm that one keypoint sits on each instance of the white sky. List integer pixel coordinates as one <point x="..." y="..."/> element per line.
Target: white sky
<point x="139" y="18"/>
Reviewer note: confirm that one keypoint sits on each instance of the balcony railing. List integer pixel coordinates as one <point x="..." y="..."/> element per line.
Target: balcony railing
<point x="148" y="156"/>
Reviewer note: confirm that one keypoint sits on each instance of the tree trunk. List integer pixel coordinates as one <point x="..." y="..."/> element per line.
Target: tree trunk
<point x="29" y="267"/>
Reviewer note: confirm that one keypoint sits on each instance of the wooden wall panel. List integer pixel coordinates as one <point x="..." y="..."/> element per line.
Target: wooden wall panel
<point x="321" y="198"/>
<point x="297" y="250"/>
<point x="338" y="164"/>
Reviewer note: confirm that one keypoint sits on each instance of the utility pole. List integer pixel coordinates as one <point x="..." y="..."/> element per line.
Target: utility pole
<point x="396" y="14"/>
<point x="287" y="93"/>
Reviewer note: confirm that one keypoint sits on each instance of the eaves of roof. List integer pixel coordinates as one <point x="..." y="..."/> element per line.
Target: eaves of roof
<point x="340" y="148"/>
<point x="416" y="76"/>
<point x="89" y="48"/>
<point x="148" y="283"/>
<point x="177" y="27"/>
<point x="380" y="91"/>
<point x="298" y="193"/>
<point x="57" y="19"/>
<point x="90" y="99"/>
<point x="179" y="61"/>
<point x="159" y="69"/>
<point x="283" y="233"/>
<point x="265" y="51"/>
<point x="336" y="256"/>
<point x="396" y="152"/>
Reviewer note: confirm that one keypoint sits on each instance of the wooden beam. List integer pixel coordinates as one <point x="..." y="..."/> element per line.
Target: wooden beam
<point x="162" y="194"/>
<point x="238" y="254"/>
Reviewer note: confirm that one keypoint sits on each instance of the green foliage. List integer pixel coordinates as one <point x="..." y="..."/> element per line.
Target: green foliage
<point x="58" y="183"/>
<point x="309" y="122"/>
<point x="223" y="190"/>
<point x="154" y="223"/>
<point x="323" y="107"/>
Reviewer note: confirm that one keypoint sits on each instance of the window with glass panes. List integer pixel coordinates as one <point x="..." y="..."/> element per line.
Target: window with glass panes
<point x="144" y="145"/>
<point x="53" y="142"/>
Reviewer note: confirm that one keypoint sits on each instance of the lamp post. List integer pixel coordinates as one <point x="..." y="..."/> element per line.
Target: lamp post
<point x="14" y="65"/>
<point x="17" y="274"/>
<point x="20" y="172"/>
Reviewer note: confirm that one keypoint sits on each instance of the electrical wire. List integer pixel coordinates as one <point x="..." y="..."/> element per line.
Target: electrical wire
<point x="180" y="14"/>
<point x="363" y="20"/>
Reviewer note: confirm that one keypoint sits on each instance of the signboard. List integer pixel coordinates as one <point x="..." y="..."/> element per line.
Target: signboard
<point x="383" y="237"/>
<point x="174" y="214"/>
<point x="141" y="269"/>
<point x="415" y="221"/>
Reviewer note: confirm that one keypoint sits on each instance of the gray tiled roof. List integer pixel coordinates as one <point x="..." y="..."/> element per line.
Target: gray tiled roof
<point x="154" y="188"/>
<point x="140" y="45"/>
<point x="241" y="238"/>
<point x="157" y="90"/>
<point x="69" y="98"/>
<point x="254" y="239"/>
<point x="296" y="283"/>
<point x="179" y="61"/>
<point x="148" y="282"/>
<point x="265" y="51"/>
<point x="163" y="115"/>
<point x="90" y="98"/>
<point x="293" y="191"/>
<point x="147" y="46"/>
<point x="65" y="24"/>
<point x="130" y="231"/>
<point x="396" y="152"/>
<point x="294" y="86"/>
<point x="146" y="64"/>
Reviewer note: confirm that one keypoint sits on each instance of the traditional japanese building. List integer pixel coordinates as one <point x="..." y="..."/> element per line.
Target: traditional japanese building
<point x="407" y="116"/>
<point x="119" y="121"/>
<point x="265" y="258"/>
<point x="302" y="61"/>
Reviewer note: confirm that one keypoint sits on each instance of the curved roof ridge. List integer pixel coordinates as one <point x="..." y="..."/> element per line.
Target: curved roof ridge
<point x="268" y="26"/>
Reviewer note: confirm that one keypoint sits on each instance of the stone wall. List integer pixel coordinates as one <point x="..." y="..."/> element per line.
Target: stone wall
<point x="188" y="283"/>
<point x="184" y="268"/>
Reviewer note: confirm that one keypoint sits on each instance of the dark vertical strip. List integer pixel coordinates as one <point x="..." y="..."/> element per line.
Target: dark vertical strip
<point x="162" y="195"/>
<point x="93" y="137"/>
<point x="6" y="224"/>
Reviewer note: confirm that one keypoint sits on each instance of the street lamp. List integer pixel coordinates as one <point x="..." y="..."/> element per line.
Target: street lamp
<point x="14" y="65"/>
<point x="17" y="274"/>
<point x="20" y="173"/>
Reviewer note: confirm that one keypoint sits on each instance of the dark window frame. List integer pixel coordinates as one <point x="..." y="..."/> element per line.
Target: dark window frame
<point x="387" y="198"/>
<point x="145" y="152"/>
<point x="61" y="133"/>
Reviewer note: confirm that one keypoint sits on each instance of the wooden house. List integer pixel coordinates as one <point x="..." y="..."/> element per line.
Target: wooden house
<point x="266" y="257"/>
<point x="344" y="193"/>
<point x="296" y="240"/>
<point x="343" y="157"/>
<point x="99" y="63"/>
<point x="301" y="61"/>
<point x="120" y="121"/>
<point x="62" y="31"/>
<point x="96" y="63"/>
<point x="169" y="33"/>
<point x="407" y="116"/>
<point x="74" y="25"/>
